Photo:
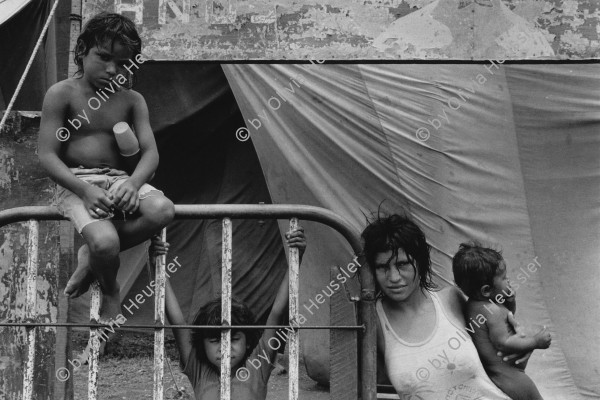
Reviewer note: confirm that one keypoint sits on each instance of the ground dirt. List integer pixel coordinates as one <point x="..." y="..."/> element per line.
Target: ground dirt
<point x="126" y="372"/>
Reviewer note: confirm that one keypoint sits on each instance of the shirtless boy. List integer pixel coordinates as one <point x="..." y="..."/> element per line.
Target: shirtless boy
<point x="88" y="166"/>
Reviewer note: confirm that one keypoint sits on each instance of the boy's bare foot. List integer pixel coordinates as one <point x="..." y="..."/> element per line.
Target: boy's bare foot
<point x="111" y="306"/>
<point x="82" y="278"/>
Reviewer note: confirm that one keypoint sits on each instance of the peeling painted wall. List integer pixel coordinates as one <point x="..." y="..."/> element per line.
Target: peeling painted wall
<point x="362" y="29"/>
<point x="22" y="182"/>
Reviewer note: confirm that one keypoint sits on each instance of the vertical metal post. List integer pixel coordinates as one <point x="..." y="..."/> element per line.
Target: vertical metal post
<point x="159" y="318"/>
<point x="32" y="263"/>
<point x="294" y="341"/>
<point x="226" y="310"/>
<point x="94" y="342"/>
<point x="368" y="338"/>
<point x="76" y="12"/>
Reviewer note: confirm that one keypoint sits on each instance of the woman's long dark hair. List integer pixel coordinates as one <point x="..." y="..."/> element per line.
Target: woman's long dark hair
<point x="392" y="232"/>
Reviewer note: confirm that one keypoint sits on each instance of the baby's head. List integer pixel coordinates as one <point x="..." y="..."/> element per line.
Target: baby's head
<point x="480" y="272"/>
<point x="104" y="30"/>
<point x="242" y="341"/>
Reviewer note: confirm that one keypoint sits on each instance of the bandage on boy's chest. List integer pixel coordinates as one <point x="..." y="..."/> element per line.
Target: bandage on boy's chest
<point x="126" y="140"/>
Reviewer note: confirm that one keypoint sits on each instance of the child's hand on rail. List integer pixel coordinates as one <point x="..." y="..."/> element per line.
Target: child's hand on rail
<point x="296" y="239"/>
<point x="157" y="246"/>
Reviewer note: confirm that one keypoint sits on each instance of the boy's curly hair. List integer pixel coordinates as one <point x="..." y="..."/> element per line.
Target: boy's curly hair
<point x="210" y="314"/>
<point x="106" y="28"/>
<point x="474" y="266"/>
<point x="392" y="232"/>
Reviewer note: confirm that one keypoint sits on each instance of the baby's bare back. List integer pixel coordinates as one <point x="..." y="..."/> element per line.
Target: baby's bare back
<point x="90" y="119"/>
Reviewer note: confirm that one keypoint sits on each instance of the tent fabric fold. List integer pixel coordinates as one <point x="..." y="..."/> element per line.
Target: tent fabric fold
<point x="9" y="8"/>
<point x="16" y="48"/>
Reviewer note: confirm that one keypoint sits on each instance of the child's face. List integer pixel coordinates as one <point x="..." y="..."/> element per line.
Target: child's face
<point x="212" y="347"/>
<point x="103" y="63"/>
<point x="501" y="284"/>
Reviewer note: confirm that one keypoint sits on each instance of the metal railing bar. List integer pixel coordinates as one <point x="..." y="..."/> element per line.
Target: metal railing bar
<point x="270" y="211"/>
<point x="94" y="342"/>
<point x="30" y="309"/>
<point x="159" y="319"/>
<point x="294" y="304"/>
<point x="294" y="338"/>
<point x="212" y="211"/>
<point x="19" y="214"/>
<point x="150" y="326"/>
<point x="226" y="253"/>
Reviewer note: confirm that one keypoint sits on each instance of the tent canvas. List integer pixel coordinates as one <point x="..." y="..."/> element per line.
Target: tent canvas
<point x="502" y="154"/>
<point x="8" y="8"/>
<point x="16" y="48"/>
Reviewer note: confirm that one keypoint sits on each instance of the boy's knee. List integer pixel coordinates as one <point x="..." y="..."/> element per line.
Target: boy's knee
<point x="161" y="211"/>
<point x="105" y="246"/>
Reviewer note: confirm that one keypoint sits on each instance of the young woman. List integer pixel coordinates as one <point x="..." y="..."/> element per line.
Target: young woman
<point x="418" y="330"/>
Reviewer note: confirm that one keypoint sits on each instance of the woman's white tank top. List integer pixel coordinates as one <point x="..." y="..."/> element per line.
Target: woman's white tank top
<point x="444" y="366"/>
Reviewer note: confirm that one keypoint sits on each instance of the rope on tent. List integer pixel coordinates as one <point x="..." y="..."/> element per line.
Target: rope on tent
<point x="35" y="50"/>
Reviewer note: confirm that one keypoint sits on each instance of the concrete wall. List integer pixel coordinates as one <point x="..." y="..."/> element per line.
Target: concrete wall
<point x="362" y="29"/>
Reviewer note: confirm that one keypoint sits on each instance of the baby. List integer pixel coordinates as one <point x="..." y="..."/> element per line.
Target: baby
<point x="481" y="274"/>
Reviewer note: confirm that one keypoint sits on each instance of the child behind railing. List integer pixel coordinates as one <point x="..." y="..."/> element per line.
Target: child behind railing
<point x="252" y="357"/>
